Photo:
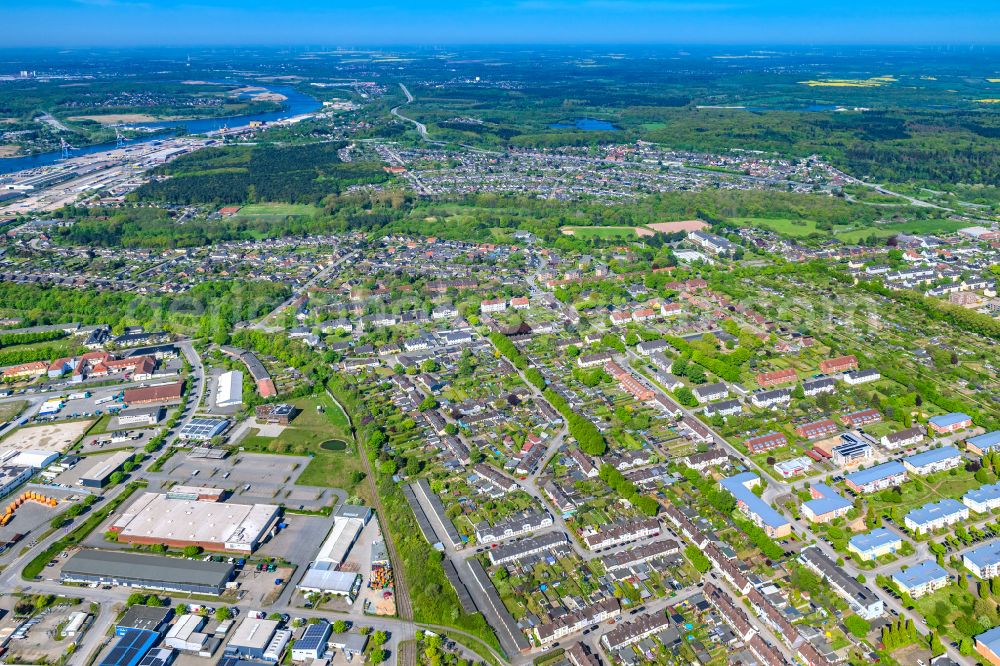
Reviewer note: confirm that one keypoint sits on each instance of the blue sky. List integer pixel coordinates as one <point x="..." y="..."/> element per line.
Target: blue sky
<point x="438" y="22"/>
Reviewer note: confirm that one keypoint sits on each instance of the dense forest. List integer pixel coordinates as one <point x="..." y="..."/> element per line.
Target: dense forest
<point x="247" y="174"/>
<point x="207" y="308"/>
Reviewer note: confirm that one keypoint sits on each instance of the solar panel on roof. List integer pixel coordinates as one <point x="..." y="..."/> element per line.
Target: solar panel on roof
<point x="313" y="636"/>
<point x="157" y="657"/>
<point x="130" y="648"/>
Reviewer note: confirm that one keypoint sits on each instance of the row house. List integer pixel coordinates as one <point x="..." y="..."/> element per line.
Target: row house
<point x="621" y="532"/>
<point x="816" y="429"/>
<point x="762" y="443"/>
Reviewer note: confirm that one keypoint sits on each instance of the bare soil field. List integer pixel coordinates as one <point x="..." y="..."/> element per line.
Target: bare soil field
<point x="50" y="437"/>
<point x="115" y="118"/>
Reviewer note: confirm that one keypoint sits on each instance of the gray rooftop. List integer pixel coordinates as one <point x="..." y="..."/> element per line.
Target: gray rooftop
<point x="148" y="567"/>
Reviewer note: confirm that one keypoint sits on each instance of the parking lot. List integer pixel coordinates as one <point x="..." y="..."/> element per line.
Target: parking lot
<point x="32" y="515"/>
<point x="40" y="643"/>
<point x="136" y="437"/>
<point x="252" y="477"/>
<point x="300" y="541"/>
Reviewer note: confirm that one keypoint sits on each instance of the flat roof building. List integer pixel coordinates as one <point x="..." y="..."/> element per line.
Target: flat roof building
<point x="251" y="638"/>
<point x="152" y="572"/>
<point x="155" y="518"/>
<point x="229" y="389"/>
<point x="100" y="475"/>
<point x="149" y="618"/>
<point x="312" y="643"/>
<point x="203" y="429"/>
<point x="130" y="648"/>
<point x="142" y="415"/>
<point x="851" y="450"/>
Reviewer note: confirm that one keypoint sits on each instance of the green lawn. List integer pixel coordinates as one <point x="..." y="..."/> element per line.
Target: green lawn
<point x="600" y="232"/>
<point x="283" y="209"/>
<point x="305" y="435"/>
<point x="848" y="234"/>
<point x="9" y="410"/>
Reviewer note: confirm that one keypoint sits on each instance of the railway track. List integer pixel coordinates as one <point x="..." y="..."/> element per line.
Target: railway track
<point x="404" y="608"/>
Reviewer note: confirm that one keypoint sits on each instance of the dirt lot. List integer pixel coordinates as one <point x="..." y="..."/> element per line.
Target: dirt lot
<point x="115" y="118"/>
<point x="52" y="437"/>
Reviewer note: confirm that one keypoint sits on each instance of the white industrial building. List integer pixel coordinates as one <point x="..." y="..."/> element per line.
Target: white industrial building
<point x="157" y="519"/>
<point x="11" y="477"/>
<point x="185" y="634"/>
<point x="323" y="574"/>
<point x="229" y="389"/>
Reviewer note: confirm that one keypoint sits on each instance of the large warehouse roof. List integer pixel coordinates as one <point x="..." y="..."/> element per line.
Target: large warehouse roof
<point x="160" y="393"/>
<point x="155" y="516"/>
<point x="108" y="467"/>
<point x="329" y="581"/>
<point x="342" y="536"/>
<point x="230" y="389"/>
<point x="203" y="429"/>
<point x="147" y="567"/>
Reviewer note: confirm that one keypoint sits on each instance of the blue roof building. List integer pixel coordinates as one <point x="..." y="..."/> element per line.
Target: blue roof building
<point x="983" y="499"/>
<point x="876" y="478"/>
<point x="988" y="644"/>
<point x="933" y="460"/>
<point x="132" y="646"/>
<point x="949" y="422"/>
<point x="312" y="643"/>
<point x="983" y="561"/>
<point x="880" y="541"/>
<point x="825" y="505"/>
<point x="984" y="443"/>
<point x="935" y="515"/>
<point x="760" y="512"/>
<point x="921" y="579"/>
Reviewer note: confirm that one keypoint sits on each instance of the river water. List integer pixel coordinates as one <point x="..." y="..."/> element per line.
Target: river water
<point x="295" y="104"/>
